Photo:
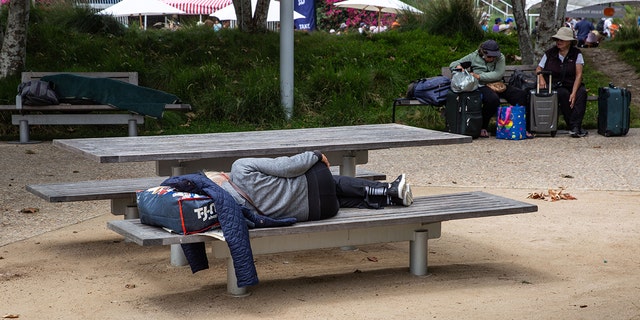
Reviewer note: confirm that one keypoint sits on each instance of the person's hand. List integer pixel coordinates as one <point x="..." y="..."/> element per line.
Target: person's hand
<point x="325" y="160"/>
<point x="572" y="100"/>
<point x="542" y="83"/>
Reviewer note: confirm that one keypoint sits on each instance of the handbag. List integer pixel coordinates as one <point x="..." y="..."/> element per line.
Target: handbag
<point x="463" y="81"/>
<point x="511" y="123"/>
<point x="497" y="86"/>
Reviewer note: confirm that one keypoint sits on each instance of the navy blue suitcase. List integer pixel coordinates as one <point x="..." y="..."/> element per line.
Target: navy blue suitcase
<point x="613" y="111"/>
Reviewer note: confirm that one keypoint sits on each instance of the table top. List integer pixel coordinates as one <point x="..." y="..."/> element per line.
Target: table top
<point x="256" y="143"/>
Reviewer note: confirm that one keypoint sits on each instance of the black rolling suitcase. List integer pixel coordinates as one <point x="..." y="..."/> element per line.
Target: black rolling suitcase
<point x="613" y="111"/>
<point x="463" y="113"/>
<point x="543" y="109"/>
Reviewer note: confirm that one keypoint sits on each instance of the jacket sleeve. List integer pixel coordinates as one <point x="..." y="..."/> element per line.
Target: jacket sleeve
<point x="496" y="74"/>
<point x="467" y="58"/>
<point x="285" y="167"/>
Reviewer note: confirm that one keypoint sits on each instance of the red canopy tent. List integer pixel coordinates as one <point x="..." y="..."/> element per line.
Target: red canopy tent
<point x="205" y="7"/>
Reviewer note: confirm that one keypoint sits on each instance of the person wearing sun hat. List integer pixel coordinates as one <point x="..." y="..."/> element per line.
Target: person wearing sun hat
<point x="565" y="62"/>
<point x="487" y="64"/>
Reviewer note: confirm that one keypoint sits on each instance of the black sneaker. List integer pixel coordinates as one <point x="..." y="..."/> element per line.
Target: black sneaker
<point x="574" y="131"/>
<point x="396" y="188"/>
<point x="579" y="133"/>
<point x="583" y="133"/>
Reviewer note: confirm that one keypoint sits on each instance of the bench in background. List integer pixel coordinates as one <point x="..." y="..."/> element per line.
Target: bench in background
<point x="351" y="227"/>
<point x="445" y="71"/>
<point x="67" y="114"/>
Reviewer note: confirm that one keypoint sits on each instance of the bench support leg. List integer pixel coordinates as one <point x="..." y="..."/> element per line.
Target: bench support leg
<point x="178" y="258"/>
<point x="131" y="212"/>
<point x="418" y="251"/>
<point x="178" y="171"/>
<point x="348" y="167"/>
<point x="24" y="133"/>
<point x="232" y="282"/>
<point x="133" y="127"/>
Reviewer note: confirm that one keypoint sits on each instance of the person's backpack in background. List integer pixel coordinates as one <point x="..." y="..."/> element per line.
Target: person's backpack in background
<point x="523" y="80"/>
<point x="430" y="91"/>
<point x="38" y="93"/>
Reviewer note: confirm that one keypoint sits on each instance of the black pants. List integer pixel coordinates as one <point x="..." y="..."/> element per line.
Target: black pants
<point x="491" y="102"/>
<point x="352" y="192"/>
<point x="328" y="193"/>
<point x="572" y="116"/>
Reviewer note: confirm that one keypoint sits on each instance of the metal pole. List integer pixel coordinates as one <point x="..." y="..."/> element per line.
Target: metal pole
<point x="286" y="56"/>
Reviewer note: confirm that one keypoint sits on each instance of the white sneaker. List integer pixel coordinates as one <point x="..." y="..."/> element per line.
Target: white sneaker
<point x="407" y="198"/>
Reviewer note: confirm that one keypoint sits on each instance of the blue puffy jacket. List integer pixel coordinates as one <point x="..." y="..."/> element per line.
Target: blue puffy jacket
<point x="233" y="219"/>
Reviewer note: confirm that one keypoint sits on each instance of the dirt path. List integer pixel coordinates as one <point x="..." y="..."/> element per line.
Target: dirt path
<point x="621" y="74"/>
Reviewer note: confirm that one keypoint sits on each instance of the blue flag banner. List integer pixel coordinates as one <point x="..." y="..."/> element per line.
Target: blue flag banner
<point x="306" y="8"/>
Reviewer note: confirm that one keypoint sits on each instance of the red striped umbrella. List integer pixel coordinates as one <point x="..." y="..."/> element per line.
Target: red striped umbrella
<point x="198" y="6"/>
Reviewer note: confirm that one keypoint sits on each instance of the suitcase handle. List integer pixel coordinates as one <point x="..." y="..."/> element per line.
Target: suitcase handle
<point x="549" y="84"/>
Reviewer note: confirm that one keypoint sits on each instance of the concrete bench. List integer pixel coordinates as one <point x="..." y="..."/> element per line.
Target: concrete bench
<point x="122" y="192"/>
<point x="351" y="227"/>
<point x="72" y="114"/>
<point x="445" y="71"/>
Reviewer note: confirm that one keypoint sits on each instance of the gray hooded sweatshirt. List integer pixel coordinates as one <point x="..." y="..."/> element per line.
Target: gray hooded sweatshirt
<point x="278" y="186"/>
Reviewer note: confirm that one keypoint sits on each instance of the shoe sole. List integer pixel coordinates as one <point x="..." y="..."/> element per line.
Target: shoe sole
<point x="408" y="196"/>
<point x="401" y="185"/>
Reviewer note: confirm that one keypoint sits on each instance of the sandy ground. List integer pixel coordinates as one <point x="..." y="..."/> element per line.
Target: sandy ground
<point x="574" y="259"/>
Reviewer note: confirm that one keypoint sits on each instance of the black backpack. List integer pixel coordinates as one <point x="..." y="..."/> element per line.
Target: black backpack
<point x="38" y="93"/>
<point x="431" y="91"/>
<point x="523" y="80"/>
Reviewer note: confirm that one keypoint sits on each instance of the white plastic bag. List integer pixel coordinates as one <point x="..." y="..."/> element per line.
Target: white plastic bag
<point x="463" y="81"/>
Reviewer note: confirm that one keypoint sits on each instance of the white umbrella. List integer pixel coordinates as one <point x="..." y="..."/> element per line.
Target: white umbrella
<point x="379" y="6"/>
<point x="140" y="8"/>
<point x="226" y="13"/>
<point x="273" y="14"/>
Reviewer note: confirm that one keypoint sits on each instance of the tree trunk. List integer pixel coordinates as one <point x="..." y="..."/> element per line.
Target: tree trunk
<point x="546" y="28"/>
<point x="524" y="34"/>
<point x="561" y="12"/>
<point x="14" y="45"/>
<point x="248" y="22"/>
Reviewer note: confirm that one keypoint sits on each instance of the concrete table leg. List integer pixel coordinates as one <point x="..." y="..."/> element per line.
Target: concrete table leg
<point x="232" y="282"/>
<point x="418" y="251"/>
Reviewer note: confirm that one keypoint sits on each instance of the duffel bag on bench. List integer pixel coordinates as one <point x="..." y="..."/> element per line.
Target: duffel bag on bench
<point x="38" y="93"/>
<point x="430" y="91"/>
<point x="179" y="212"/>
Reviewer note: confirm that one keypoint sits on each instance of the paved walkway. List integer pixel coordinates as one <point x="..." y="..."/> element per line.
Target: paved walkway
<point x="592" y="163"/>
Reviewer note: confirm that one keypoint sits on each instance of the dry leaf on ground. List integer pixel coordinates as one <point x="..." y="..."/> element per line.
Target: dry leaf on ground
<point x="552" y="195"/>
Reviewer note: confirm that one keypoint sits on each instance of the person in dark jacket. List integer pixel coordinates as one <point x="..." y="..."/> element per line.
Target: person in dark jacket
<point x="487" y="64"/>
<point x="565" y="62"/>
